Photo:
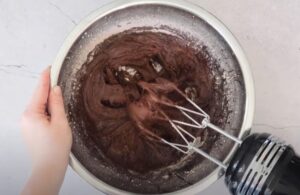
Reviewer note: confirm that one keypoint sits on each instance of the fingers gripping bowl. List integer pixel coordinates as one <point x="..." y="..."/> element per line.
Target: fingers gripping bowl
<point x="168" y="36"/>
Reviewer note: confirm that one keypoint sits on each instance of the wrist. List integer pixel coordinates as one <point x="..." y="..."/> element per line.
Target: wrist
<point x="46" y="177"/>
<point x="53" y="164"/>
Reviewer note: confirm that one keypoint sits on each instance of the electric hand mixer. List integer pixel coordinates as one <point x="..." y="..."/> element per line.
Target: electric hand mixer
<point x="261" y="165"/>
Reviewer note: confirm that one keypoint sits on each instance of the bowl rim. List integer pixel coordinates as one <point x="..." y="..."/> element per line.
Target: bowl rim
<point x="211" y="20"/>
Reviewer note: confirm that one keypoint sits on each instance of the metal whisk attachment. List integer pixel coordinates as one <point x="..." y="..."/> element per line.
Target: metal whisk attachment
<point x="192" y="143"/>
<point x="251" y="169"/>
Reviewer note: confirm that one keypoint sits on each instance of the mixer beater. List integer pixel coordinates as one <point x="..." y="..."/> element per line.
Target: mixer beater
<point x="262" y="163"/>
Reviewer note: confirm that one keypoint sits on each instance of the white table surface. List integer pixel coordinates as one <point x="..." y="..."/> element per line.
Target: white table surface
<point x="31" y="33"/>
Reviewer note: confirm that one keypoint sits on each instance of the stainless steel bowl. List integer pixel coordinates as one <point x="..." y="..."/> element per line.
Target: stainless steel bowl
<point x="188" y="18"/>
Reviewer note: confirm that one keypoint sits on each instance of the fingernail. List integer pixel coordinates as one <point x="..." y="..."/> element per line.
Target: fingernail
<point x="57" y="90"/>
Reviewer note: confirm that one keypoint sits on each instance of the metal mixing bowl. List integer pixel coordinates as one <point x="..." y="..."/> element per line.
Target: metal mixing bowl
<point x="192" y="21"/>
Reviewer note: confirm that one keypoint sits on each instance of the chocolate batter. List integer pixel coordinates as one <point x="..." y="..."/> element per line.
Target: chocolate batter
<point x="122" y="89"/>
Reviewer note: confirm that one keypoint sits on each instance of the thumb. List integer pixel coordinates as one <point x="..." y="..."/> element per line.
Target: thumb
<point x="56" y="105"/>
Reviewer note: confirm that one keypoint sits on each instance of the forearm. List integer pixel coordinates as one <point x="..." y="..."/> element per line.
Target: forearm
<point x="46" y="178"/>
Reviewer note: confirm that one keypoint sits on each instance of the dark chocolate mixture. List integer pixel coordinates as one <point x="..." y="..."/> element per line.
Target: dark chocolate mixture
<point x="122" y="89"/>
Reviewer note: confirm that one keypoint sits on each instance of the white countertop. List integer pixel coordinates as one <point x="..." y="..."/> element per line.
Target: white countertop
<point x="31" y="33"/>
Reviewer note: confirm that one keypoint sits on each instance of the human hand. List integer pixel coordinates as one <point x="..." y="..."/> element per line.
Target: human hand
<point x="47" y="133"/>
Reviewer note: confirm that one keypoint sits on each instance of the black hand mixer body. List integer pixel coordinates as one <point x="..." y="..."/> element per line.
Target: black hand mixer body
<point x="263" y="165"/>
